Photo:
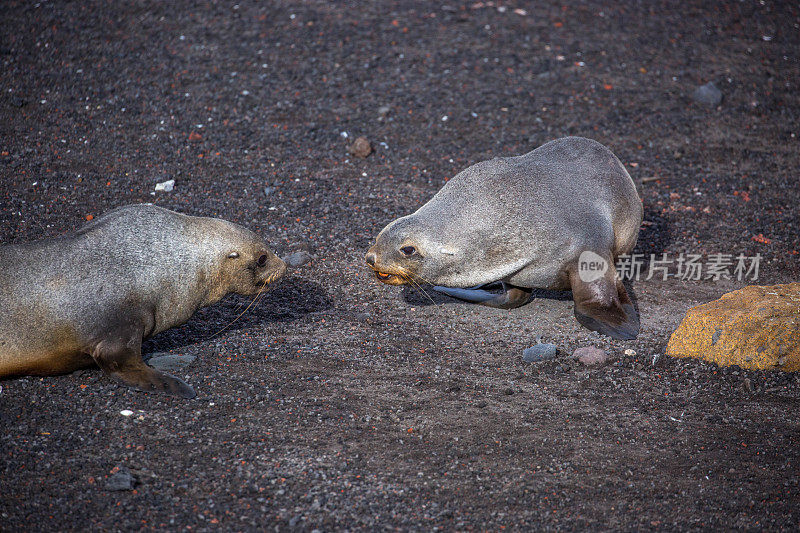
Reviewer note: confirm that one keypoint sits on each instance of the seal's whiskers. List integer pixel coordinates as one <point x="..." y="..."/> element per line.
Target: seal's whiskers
<point x="256" y="297"/>
<point x="415" y="282"/>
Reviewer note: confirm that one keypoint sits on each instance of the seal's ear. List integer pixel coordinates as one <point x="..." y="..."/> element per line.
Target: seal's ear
<point x="603" y="305"/>
<point x="233" y="255"/>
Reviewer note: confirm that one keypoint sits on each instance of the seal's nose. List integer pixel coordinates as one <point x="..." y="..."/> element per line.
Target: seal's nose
<point x="370" y="258"/>
<point x="281" y="270"/>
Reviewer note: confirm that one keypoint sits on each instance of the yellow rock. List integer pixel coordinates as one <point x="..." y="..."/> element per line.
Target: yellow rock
<point x="755" y="327"/>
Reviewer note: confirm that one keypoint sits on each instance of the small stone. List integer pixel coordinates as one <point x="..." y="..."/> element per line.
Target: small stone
<point x="508" y="392"/>
<point x="481" y="404"/>
<point x="361" y="147"/>
<point x="384" y="110"/>
<point x="296" y="259"/>
<point x="165" y="186"/>
<point x="122" y="480"/>
<point x="539" y="352"/>
<point x="126" y="412"/>
<point x="170" y="362"/>
<point x="708" y="94"/>
<point x="590" y="355"/>
<point x="630" y="352"/>
<point x="18" y="102"/>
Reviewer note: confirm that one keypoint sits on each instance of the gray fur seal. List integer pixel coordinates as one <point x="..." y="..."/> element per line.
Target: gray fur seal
<point x="92" y="296"/>
<point x="555" y="218"/>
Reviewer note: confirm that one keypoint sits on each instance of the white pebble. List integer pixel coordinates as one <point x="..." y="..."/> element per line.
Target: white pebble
<point x="165" y="186"/>
<point x="126" y="412"/>
<point x="630" y="352"/>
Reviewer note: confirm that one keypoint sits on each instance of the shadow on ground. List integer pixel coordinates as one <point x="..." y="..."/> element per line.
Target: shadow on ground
<point x="292" y="299"/>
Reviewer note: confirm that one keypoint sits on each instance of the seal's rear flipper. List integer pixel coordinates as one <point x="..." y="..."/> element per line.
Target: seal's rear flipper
<point x="603" y="305"/>
<point x="123" y="362"/>
<point x="508" y="299"/>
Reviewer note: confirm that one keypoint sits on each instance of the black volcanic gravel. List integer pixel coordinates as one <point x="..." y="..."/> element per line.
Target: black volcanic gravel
<point x="341" y="404"/>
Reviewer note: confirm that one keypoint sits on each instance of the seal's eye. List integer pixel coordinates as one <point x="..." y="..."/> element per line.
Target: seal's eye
<point x="233" y="255"/>
<point x="408" y="250"/>
<point x="262" y="261"/>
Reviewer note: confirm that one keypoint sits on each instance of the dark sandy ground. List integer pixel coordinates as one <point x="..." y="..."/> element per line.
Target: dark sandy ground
<point x="339" y="403"/>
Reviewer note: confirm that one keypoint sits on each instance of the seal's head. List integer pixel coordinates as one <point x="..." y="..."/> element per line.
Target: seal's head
<point x="408" y="251"/>
<point x="246" y="264"/>
<point x="252" y="268"/>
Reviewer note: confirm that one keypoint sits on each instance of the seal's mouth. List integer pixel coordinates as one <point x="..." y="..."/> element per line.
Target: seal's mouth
<point x="388" y="278"/>
<point x="276" y="275"/>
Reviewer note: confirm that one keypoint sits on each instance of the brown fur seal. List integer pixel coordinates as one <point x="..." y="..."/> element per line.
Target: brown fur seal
<point x="92" y="296"/>
<point x="554" y="218"/>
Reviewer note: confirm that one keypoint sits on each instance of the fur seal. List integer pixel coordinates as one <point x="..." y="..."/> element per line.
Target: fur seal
<point x="554" y="218"/>
<point x="92" y="296"/>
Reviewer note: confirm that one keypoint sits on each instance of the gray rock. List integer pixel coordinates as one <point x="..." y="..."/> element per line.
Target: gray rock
<point x="708" y="94"/>
<point x="122" y="480"/>
<point x="296" y="259"/>
<point x="169" y="362"/>
<point x="384" y="110"/>
<point x="590" y="355"/>
<point x="539" y="352"/>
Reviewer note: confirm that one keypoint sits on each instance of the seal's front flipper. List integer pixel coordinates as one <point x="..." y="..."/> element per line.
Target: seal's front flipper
<point x="123" y="362"/>
<point x="508" y="299"/>
<point x="603" y="305"/>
